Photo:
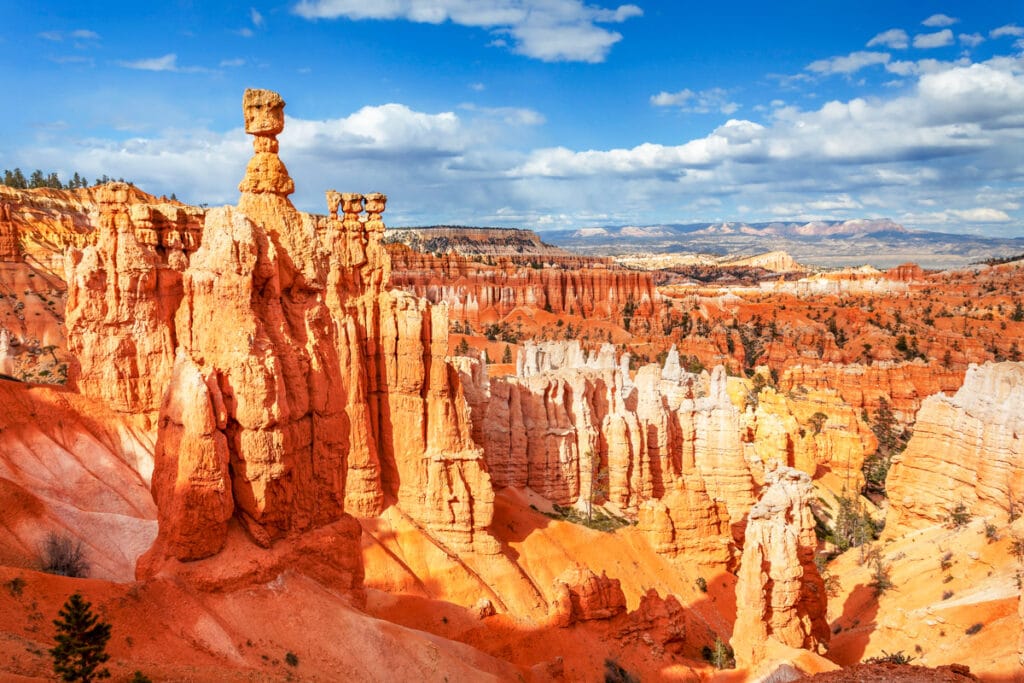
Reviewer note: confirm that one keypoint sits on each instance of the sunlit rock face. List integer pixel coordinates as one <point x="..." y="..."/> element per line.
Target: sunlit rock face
<point x="967" y="449"/>
<point x="780" y="595"/>
<point x="287" y="386"/>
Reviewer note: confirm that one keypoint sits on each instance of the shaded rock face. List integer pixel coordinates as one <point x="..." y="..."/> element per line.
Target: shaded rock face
<point x="779" y="594"/>
<point x="290" y="387"/>
<point x="967" y="449"/>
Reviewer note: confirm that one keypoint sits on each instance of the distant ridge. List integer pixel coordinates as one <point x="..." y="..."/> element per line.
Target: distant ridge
<point x="880" y="242"/>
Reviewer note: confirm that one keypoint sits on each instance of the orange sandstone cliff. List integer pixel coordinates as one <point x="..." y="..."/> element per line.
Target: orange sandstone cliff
<point x="967" y="451"/>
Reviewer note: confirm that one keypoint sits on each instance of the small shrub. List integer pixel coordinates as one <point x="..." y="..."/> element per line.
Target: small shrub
<point x="1017" y="548"/>
<point x="616" y="673"/>
<point x="15" y="586"/>
<point x="946" y="562"/>
<point x="880" y="579"/>
<point x="139" y="677"/>
<point x="869" y="553"/>
<point x="891" y="658"/>
<point x="702" y="584"/>
<point x="974" y="628"/>
<point x="291" y="659"/>
<point x="946" y="595"/>
<point x="720" y="655"/>
<point x="63" y="556"/>
<point x="832" y="585"/>
<point x="991" y="533"/>
<point x="947" y="578"/>
<point x="958" y="516"/>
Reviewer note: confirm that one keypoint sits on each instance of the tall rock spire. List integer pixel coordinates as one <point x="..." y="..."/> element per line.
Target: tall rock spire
<point x="264" y="120"/>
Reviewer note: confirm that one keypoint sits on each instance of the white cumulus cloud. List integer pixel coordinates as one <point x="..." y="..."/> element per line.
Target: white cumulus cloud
<point x="700" y="102"/>
<point x="895" y="38"/>
<point x="851" y="63"/>
<point x="931" y="40"/>
<point x="938" y="20"/>
<point x="549" y="30"/>
<point x="971" y="39"/>
<point x="1006" y="30"/>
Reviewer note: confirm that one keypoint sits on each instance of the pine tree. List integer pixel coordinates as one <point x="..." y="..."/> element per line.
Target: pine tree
<point x="81" y="642"/>
<point x="36" y="179"/>
<point x="18" y="180"/>
<point x="506" y="356"/>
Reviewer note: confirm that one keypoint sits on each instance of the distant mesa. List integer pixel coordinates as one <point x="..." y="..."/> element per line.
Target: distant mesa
<point x="473" y="241"/>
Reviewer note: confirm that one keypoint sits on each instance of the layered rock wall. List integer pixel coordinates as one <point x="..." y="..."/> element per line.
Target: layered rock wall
<point x="483" y="293"/>
<point x="903" y="384"/>
<point x="123" y="292"/>
<point x="967" y="449"/>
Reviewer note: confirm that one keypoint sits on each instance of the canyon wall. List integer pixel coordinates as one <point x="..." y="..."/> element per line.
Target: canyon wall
<point x="482" y="293"/>
<point x="122" y="295"/>
<point x="967" y="449"/>
<point x="903" y="384"/>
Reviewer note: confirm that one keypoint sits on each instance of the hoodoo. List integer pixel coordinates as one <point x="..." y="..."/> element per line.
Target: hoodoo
<point x="290" y="386"/>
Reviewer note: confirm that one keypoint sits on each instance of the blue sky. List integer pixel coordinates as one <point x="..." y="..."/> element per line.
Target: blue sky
<point x="542" y="113"/>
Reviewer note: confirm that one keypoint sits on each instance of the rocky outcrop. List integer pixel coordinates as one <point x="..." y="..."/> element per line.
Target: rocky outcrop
<point x="967" y="449"/>
<point x="193" y="493"/>
<point x="295" y="368"/>
<point x="575" y="427"/>
<point x="686" y="522"/>
<point x="780" y="595"/>
<point x="814" y="431"/>
<point x="669" y="448"/>
<point x="581" y="595"/>
<point x="904" y="385"/>
<point x="122" y="296"/>
<point x="657" y="622"/>
<point x="10" y="245"/>
<point x="775" y="261"/>
<point x="906" y="272"/>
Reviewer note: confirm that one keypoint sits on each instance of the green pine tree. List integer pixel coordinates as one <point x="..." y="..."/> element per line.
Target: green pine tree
<point x="81" y="643"/>
<point x="506" y="357"/>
